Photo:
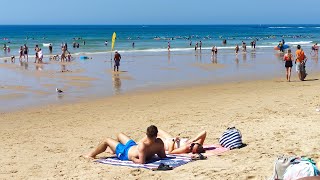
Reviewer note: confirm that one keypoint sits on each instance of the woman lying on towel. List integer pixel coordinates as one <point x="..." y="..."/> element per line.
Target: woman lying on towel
<point x="177" y="145"/>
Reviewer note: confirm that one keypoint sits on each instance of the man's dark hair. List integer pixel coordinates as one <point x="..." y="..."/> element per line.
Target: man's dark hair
<point x="298" y="47"/>
<point x="152" y="131"/>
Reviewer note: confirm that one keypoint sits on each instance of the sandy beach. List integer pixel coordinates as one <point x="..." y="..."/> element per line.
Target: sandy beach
<point x="275" y="118"/>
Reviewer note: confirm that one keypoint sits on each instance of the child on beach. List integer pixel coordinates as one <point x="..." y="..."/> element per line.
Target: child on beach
<point x="288" y="58"/>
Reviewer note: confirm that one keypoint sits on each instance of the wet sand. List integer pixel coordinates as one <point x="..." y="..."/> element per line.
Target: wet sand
<point x="274" y="116"/>
<point x="94" y="78"/>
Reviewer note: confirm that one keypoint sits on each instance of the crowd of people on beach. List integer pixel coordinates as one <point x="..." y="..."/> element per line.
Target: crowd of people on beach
<point x="299" y="57"/>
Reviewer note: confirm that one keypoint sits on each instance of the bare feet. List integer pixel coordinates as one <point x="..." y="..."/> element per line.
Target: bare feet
<point x="87" y="156"/>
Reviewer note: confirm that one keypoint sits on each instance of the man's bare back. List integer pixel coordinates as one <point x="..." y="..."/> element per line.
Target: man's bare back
<point x="126" y="149"/>
<point x="145" y="150"/>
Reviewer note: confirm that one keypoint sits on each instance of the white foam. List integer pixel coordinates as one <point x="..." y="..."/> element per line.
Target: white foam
<point x="300" y="42"/>
<point x="279" y="27"/>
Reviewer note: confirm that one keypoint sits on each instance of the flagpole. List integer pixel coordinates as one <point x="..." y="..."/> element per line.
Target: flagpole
<point x="111" y="59"/>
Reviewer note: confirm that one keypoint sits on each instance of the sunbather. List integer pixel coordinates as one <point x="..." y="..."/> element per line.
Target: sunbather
<point x="127" y="149"/>
<point x="177" y="145"/>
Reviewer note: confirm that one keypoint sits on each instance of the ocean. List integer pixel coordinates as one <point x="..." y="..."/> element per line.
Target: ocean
<point x="153" y="38"/>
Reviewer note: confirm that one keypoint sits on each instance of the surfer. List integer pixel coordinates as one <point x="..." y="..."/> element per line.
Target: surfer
<point x="281" y="46"/>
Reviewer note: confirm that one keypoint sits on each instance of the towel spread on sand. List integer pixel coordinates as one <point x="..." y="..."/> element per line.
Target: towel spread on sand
<point x="171" y="160"/>
<point x="214" y="150"/>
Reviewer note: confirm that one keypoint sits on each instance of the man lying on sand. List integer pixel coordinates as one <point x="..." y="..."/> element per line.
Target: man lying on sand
<point x="177" y="145"/>
<point x="126" y="149"/>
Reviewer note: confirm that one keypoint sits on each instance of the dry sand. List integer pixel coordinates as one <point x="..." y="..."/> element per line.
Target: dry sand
<point x="275" y="117"/>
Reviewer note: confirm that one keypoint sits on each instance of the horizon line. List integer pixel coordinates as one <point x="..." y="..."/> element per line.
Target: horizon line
<point x="145" y="24"/>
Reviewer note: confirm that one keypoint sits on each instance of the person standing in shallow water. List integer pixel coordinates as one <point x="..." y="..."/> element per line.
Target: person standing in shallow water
<point x="25" y="52"/>
<point x="117" y="58"/>
<point x="237" y="49"/>
<point x="288" y="58"/>
<point x="300" y="63"/>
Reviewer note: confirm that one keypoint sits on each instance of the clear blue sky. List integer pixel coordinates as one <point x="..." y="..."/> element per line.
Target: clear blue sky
<point x="112" y="12"/>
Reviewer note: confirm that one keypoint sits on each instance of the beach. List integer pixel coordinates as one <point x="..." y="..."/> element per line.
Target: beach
<point x="183" y="91"/>
<point x="274" y="117"/>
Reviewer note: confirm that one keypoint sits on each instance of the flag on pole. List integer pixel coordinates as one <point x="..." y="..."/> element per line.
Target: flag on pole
<point x="114" y="36"/>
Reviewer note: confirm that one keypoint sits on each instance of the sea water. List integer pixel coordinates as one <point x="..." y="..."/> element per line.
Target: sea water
<point x="153" y="38"/>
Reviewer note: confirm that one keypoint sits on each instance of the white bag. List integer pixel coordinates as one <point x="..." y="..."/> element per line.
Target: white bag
<point x="301" y="168"/>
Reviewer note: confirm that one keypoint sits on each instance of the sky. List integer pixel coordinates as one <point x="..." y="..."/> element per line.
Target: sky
<point x="163" y="12"/>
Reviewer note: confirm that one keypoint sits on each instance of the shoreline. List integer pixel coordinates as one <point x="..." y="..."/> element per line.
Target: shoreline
<point x="272" y="115"/>
<point x="94" y="79"/>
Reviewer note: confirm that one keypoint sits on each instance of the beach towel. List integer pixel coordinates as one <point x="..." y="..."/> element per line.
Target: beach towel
<point x="214" y="150"/>
<point x="171" y="160"/>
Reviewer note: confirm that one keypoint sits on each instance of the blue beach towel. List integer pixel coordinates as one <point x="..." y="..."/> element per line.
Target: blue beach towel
<point x="171" y="160"/>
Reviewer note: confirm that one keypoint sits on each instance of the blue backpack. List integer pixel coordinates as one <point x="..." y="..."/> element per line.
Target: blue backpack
<point x="231" y="138"/>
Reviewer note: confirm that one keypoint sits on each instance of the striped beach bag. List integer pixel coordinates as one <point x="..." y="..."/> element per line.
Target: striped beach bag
<point x="231" y="138"/>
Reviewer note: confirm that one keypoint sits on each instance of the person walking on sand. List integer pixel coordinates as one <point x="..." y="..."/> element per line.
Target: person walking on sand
<point x="126" y="149"/>
<point x="288" y="58"/>
<point x="200" y="45"/>
<point x="168" y="46"/>
<point x="117" y="58"/>
<point x="301" y="60"/>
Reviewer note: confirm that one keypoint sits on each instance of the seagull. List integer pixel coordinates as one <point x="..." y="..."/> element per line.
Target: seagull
<point x="59" y="90"/>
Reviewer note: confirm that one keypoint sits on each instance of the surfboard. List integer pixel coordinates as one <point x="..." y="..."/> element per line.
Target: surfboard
<point x="46" y="44"/>
<point x="284" y="47"/>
